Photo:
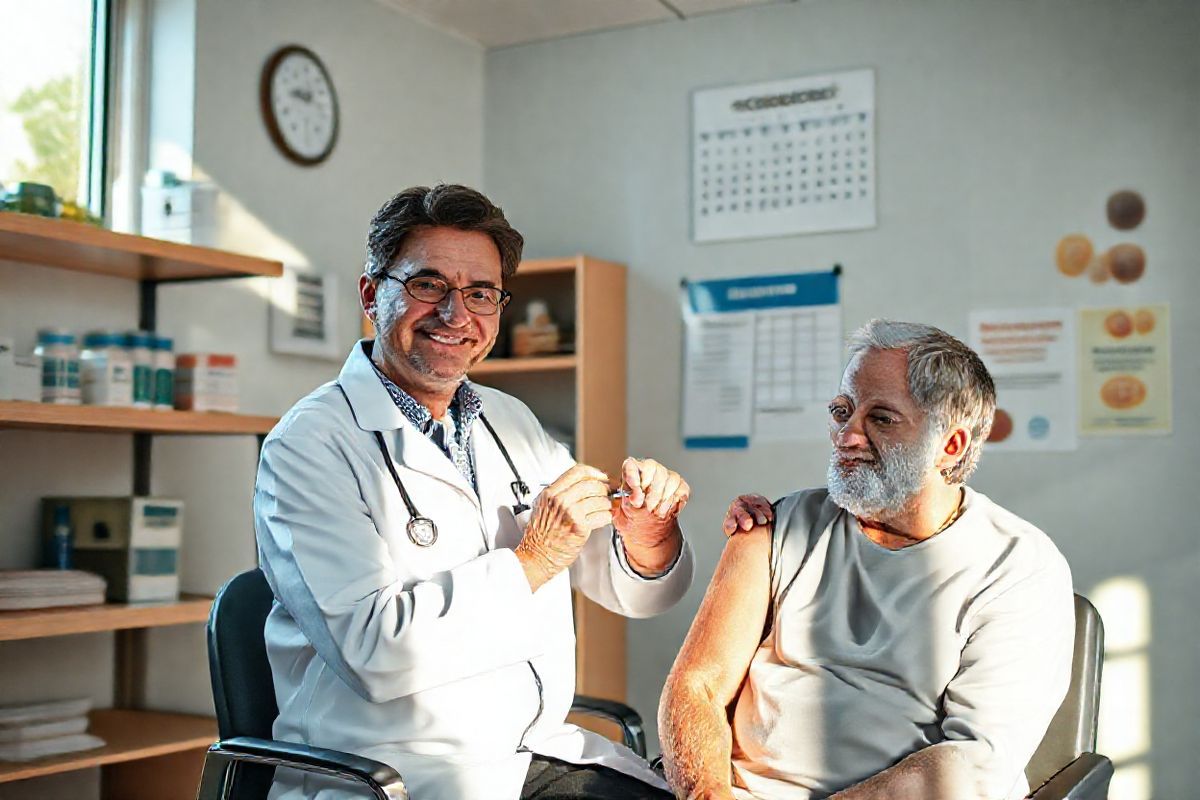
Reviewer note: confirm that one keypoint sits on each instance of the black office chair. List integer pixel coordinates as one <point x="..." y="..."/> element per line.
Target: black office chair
<point x="1071" y="738"/>
<point x="241" y="765"/>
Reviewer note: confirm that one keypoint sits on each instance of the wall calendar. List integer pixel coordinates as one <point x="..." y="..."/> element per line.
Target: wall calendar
<point x="784" y="157"/>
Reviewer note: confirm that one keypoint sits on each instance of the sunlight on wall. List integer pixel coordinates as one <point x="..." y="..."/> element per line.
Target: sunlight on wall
<point x="240" y="231"/>
<point x="1130" y="783"/>
<point x="1124" y="708"/>
<point x="1124" y="604"/>
<point x="1124" y="726"/>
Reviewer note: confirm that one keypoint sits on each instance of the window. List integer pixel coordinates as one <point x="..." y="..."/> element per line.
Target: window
<point x="52" y="96"/>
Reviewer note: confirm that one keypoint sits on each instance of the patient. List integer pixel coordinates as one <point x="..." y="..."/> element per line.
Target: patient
<point x="894" y="635"/>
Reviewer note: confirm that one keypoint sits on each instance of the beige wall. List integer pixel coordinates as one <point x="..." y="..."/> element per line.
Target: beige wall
<point x="1002" y="125"/>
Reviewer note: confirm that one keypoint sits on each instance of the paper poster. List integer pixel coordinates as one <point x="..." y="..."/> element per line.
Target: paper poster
<point x="1031" y="356"/>
<point x="1125" y="370"/>
<point x="763" y="357"/>
<point x="784" y="157"/>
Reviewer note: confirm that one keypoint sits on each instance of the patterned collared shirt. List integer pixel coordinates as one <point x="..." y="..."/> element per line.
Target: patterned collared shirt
<point x="464" y="409"/>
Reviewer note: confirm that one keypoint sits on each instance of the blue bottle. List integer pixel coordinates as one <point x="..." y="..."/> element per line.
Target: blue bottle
<point x="58" y="548"/>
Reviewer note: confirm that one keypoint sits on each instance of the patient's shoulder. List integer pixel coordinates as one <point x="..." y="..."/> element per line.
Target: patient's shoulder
<point x="800" y="520"/>
<point x="803" y="515"/>
<point x="803" y="506"/>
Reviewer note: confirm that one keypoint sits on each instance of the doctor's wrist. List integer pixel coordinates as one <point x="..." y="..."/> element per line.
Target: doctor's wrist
<point x="537" y="569"/>
<point x="656" y="558"/>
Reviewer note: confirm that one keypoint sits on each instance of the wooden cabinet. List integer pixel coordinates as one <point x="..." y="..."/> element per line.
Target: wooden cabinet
<point x="581" y="394"/>
<point x="147" y="753"/>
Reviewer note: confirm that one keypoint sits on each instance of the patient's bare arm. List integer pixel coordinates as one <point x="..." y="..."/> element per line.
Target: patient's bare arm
<point x="693" y="717"/>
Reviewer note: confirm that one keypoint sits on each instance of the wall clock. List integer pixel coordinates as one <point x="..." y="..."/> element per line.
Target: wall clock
<point x="299" y="105"/>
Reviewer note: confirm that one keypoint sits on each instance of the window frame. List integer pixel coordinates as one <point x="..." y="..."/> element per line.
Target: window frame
<point x="100" y="113"/>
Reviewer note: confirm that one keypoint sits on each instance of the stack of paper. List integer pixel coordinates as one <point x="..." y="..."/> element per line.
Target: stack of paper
<point x="45" y="729"/>
<point x="45" y="588"/>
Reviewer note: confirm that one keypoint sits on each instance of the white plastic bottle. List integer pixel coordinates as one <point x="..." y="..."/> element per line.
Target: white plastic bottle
<point x="138" y="343"/>
<point x="107" y="370"/>
<point x="164" y="374"/>
<point x="60" y="366"/>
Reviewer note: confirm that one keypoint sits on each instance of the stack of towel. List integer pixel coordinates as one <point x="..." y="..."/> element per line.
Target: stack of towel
<point x="46" y="588"/>
<point x="45" y="729"/>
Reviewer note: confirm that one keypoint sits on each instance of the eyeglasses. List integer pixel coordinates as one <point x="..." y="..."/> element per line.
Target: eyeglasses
<point x="482" y="300"/>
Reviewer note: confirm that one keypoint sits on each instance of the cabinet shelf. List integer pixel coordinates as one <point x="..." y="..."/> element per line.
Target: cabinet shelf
<point x="128" y="736"/>
<point x="516" y="366"/>
<point x="85" y="248"/>
<point x="148" y="754"/>
<point x="104" y="419"/>
<point x="65" y="621"/>
<point x="531" y="266"/>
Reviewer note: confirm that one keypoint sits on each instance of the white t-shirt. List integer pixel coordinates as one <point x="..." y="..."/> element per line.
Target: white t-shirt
<point x="963" y="640"/>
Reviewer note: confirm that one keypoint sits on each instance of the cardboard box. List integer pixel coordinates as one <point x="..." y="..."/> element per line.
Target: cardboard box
<point x="132" y="542"/>
<point x="20" y="376"/>
<point x="206" y="382"/>
<point x="186" y="213"/>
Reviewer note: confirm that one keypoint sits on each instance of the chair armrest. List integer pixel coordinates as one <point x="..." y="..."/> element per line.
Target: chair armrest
<point x="1085" y="778"/>
<point x="632" y="732"/>
<point x="382" y="780"/>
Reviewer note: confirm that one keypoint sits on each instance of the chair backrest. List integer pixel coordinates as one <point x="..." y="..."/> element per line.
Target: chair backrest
<point x="243" y="691"/>
<point x="1073" y="729"/>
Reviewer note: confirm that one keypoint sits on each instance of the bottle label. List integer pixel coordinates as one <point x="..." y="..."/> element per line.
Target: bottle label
<point x="164" y="387"/>
<point x="143" y="391"/>
<point x="60" y="379"/>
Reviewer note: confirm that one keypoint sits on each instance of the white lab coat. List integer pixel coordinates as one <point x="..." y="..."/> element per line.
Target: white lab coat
<point x="424" y="657"/>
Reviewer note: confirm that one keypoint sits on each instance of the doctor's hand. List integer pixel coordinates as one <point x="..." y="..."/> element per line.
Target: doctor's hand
<point x="747" y="511"/>
<point x="564" y="515"/>
<point x="646" y="519"/>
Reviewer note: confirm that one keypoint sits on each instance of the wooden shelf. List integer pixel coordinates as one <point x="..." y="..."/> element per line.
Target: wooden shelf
<point x="516" y="366"/>
<point x="128" y="736"/>
<point x="544" y="265"/>
<point x="43" y="622"/>
<point x="104" y="419"/>
<point x="86" y="248"/>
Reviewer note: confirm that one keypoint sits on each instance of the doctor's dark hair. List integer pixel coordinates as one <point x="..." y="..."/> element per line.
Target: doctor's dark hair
<point x="445" y="205"/>
<point x="946" y="378"/>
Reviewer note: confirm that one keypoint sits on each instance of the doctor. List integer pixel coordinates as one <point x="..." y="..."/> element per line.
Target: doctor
<point x="422" y="576"/>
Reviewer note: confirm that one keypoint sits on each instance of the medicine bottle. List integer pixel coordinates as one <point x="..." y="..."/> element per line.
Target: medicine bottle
<point x="138" y="343"/>
<point x="60" y="366"/>
<point x="62" y="539"/>
<point x="107" y="369"/>
<point x="164" y="373"/>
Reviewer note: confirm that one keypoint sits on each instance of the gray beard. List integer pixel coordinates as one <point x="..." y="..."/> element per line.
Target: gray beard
<point x="881" y="489"/>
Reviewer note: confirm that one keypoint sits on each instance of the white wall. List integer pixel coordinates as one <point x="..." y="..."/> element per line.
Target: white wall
<point x="411" y="112"/>
<point x="1001" y="127"/>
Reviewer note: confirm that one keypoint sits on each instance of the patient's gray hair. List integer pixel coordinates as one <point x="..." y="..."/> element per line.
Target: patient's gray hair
<point x="945" y="377"/>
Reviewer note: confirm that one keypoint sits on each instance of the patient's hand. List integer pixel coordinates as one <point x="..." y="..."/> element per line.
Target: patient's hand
<point x="747" y="511"/>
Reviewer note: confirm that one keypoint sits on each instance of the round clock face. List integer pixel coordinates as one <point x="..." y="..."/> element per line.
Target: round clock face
<point x="299" y="105"/>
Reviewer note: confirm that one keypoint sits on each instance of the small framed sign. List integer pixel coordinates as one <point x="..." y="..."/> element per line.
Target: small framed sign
<point x="304" y="314"/>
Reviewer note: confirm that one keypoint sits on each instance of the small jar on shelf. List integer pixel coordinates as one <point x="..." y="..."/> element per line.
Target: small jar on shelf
<point x="59" y="355"/>
<point x="107" y="370"/>
<point x="139" y="343"/>
<point x="164" y="373"/>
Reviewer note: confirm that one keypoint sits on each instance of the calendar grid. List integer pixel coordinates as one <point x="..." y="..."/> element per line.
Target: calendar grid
<point x="796" y="157"/>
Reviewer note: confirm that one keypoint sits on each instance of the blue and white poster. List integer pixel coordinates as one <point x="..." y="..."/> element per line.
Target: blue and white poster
<point x="762" y="358"/>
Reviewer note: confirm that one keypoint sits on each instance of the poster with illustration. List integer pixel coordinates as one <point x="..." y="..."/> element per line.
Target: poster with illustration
<point x="1125" y="370"/>
<point x="1030" y="353"/>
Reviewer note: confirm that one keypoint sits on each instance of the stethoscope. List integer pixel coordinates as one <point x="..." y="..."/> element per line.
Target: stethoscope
<point x="421" y="529"/>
